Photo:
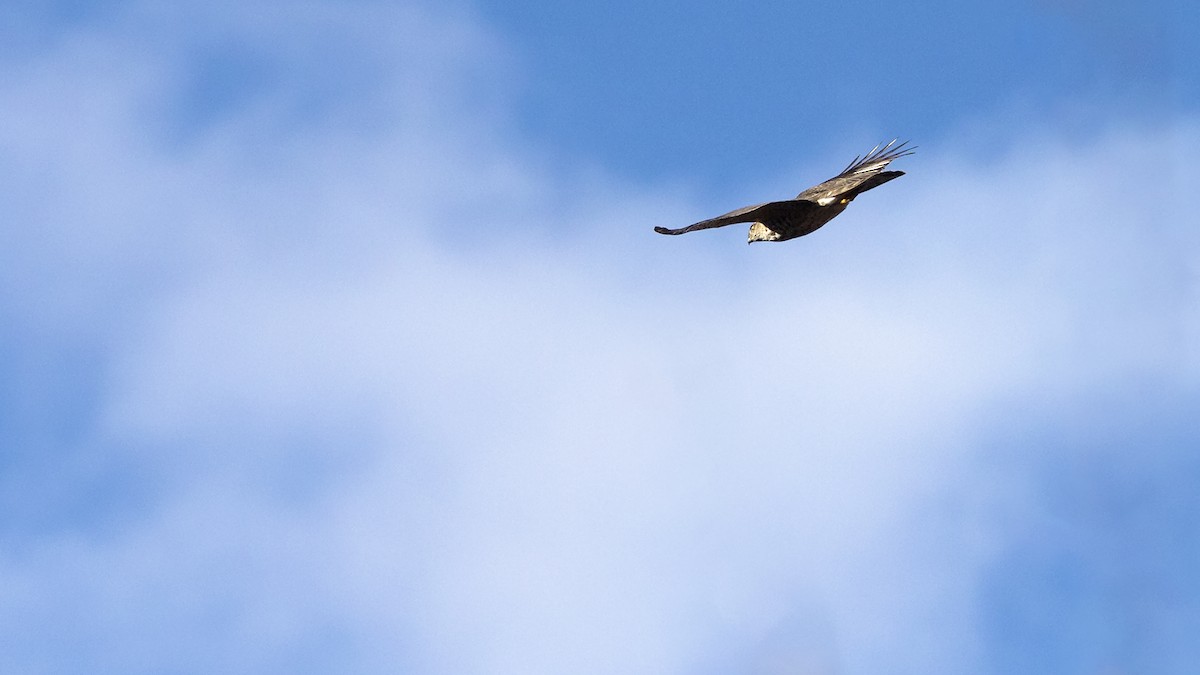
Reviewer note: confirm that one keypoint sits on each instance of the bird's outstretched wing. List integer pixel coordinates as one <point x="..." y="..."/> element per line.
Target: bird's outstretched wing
<point x="764" y="213"/>
<point x="862" y="174"/>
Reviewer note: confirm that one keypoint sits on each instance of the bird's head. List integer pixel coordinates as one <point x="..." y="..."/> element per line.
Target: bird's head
<point x="760" y="232"/>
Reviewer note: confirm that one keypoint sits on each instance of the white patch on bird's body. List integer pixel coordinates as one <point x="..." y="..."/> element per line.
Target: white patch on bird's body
<point x="826" y="201"/>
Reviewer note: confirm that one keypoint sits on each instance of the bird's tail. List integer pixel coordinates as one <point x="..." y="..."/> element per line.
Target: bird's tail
<point x="874" y="182"/>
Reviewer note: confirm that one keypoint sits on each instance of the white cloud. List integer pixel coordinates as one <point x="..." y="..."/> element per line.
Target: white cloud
<point x="420" y="401"/>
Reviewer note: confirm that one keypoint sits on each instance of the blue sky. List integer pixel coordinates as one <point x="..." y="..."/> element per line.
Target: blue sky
<point x="334" y="337"/>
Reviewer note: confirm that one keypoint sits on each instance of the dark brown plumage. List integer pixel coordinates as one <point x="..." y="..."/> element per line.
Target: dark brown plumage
<point x="791" y="218"/>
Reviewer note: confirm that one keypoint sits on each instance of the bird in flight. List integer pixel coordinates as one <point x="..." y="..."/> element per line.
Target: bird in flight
<point x="791" y="218"/>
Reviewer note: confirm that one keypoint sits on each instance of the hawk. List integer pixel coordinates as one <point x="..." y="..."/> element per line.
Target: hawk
<point x="791" y="218"/>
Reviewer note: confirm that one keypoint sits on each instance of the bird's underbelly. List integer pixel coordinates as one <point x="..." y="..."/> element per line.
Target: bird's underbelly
<point x="799" y="224"/>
